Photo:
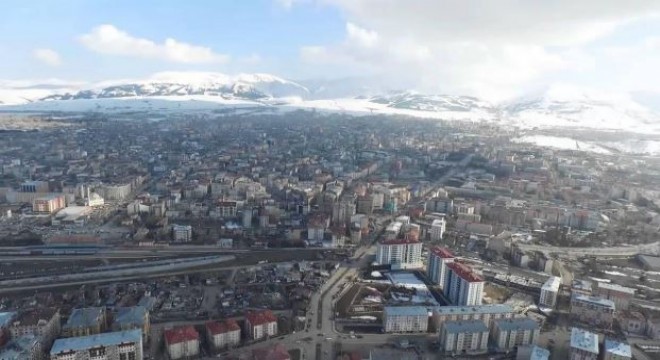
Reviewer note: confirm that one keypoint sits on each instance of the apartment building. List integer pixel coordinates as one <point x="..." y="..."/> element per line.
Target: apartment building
<point x="620" y="295"/>
<point x="182" y="342"/>
<point x="121" y="345"/>
<point x="222" y="335"/>
<point x="437" y="230"/>
<point x="484" y="313"/>
<point x="583" y="345"/>
<point x="260" y="325"/>
<point x="48" y="204"/>
<point x="437" y="265"/>
<point x="462" y="286"/>
<point x="549" y="292"/>
<point x="129" y="318"/>
<point x="593" y="310"/>
<point x="400" y="253"/>
<point x="510" y="333"/>
<point x="85" y="321"/>
<point x="43" y="323"/>
<point x="615" y="350"/>
<point x="464" y="336"/>
<point x="405" y="319"/>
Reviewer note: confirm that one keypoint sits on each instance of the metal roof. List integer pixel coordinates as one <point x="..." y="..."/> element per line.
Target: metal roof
<point x="552" y="284"/>
<point x="594" y="300"/>
<point x="104" y="339"/>
<point x="584" y="340"/>
<point x="469" y="326"/>
<point x="616" y="288"/>
<point x="85" y="317"/>
<point x="134" y="315"/>
<point x="617" y="348"/>
<point x="481" y="309"/>
<point x="406" y="311"/>
<point x="516" y="324"/>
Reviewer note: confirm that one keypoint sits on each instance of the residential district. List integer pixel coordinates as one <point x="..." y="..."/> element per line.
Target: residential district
<point x="316" y="236"/>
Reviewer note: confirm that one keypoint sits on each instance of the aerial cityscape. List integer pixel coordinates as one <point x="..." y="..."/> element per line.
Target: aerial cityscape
<point x="192" y="214"/>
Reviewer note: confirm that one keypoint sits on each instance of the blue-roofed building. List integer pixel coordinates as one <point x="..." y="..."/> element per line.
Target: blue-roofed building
<point x="405" y="319"/>
<point x="148" y="302"/>
<point x="6" y="319"/>
<point x="120" y="345"/>
<point x="85" y="321"/>
<point x="584" y="345"/>
<point x="509" y="333"/>
<point x="470" y="336"/>
<point x="26" y="347"/>
<point x="485" y="313"/>
<point x="593" y="310"/>
<point x="128" y="318"/>
<point x="615" y="350"/>
<point x="532" y="352"/>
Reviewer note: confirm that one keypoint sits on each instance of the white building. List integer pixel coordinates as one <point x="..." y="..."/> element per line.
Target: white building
<point x="592" y="310"/>
<point x="436" y="268"/>
<point x="260" y="325"/>
<point x="510" y="333"/>
<point x="470" y="336"/>
<point x="182" y="342"/>
<point x="400" y="253"/>
<point x="221" y="335"/>
<point x="484" y="313"/>
<point x="549" y="292"/>
<point x="462" y="286"/>
<point x="621" y="295"/>
<point x="120" y="345"/>
<point x="532" y="352"/>
<point x="615" y="350"/>
<point x="405" y="319"/>
<point x="584" y="345"/>
<point x="182" y="233"/>
<point x="437" y="230"/>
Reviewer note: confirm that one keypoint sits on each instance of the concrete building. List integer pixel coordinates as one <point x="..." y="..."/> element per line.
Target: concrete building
<point x="6" y="319"/>
<point x="470" y="336"/>
<point x="400" y="253"/>
<point x="48" y="204"/>
<point x="26" y="347"/>
<point x="43" y="323"/>
<point x="116" y="192"/>
<point x="437" y="230"/>
<point x="462" y="286"/>
<point x="436" y="267"/>
<point x="129" y="318"/>
<point x="342" y="211"/>
<point x="121" y="345"/>
<point x="582" y="287"/>
<point x="615" y="350"/>
<point x="583" y="345"/>
<point x="85" y="321"/>
<point x="405" y="319"/>
<point x="182" y="233"/>
<point x="484" y="313"/>
<point x="620" y="295"/>
<point x="260" y="325"/>
<point x="510" y="333"/>
<point x="182" y="342"/>
<point x="222" y="335"/>
<point x="592" y="310"/>
<point x="532" y="352"/>
<point x="549" y="292"/>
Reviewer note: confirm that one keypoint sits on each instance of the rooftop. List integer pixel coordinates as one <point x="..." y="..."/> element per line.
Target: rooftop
<point x="442" y="252"/>
<point x="594" y="300"/>
<point x="260" y="317"/>
<point x="516" y="324"/>
<point x="481" y="309"/>
<point x="217" y="327"/>
<point x="181" y="334"/>
<point x="134" y="315"/>
<point x="535" y="352"/>
<point x="406" y="310"/>
<point x="582" y="285"/>
<point x="104" y="339"/>
<point x="464" y="272"/>
<point x="618" y="348"/>
<point x="400" y="241"/>
<point x="552" y="284"/>
<point x="470" y="326"/>
<point x="33" y="317"/>
<point x="584" y="340"/>
<point x="6" y="318"/>
<point x="616" y="288"/>
<point x="85" y="317"/>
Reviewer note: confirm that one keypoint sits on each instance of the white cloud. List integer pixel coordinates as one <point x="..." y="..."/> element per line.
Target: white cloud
<point x="47" y="56"/>
<point x="107" y="39"/>
<point x="495" y="49"/>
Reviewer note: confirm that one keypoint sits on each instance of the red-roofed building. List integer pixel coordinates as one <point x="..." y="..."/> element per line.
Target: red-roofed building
<point x="462" y="285"/>
<point x="261" y="324"/>
<point x="226" y="334"/>
<point x="436" y="269"/>
<point x="182" y="342"/>
<point x="277" y="352"/>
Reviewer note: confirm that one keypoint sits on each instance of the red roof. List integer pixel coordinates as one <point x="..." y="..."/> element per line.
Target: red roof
<point x="216" y="327"/>
<point x="400" y="241"/>
<point x="442" y="252"/>
<point x="464" y="272"/>
<point x="261" y="317"/>
<point x="277" y="352"/>
<point x="181" y="334"/>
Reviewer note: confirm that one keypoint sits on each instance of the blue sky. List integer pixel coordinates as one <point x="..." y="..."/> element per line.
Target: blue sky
<point x="495" y="49"/>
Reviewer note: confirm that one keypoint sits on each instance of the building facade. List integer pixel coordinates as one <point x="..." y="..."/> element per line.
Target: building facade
<point x="511" y="333"/>
<point x="400" y="254"/>
<point x="405" y="319"/>
<point x="437" y="230"/>
<point x="484" y="313"/>
<point x="260" y="325"/>
<point x="464" y="336"/>
<point x="462" y="286"/>
<point x="85" y="321"/>
<point x="48" y="204"/>
<point x="222" y="335"/>
<point x="436" y="267"/>
<point x="122" y="345"/>
<point x="620" y="295"/>
<point x="549" y="292"/>
<point x="182" y="342"/>
<point x="592" y="310"/>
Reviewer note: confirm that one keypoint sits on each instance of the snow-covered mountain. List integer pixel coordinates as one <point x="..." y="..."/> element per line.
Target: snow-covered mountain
<point x="556" y="106"/>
